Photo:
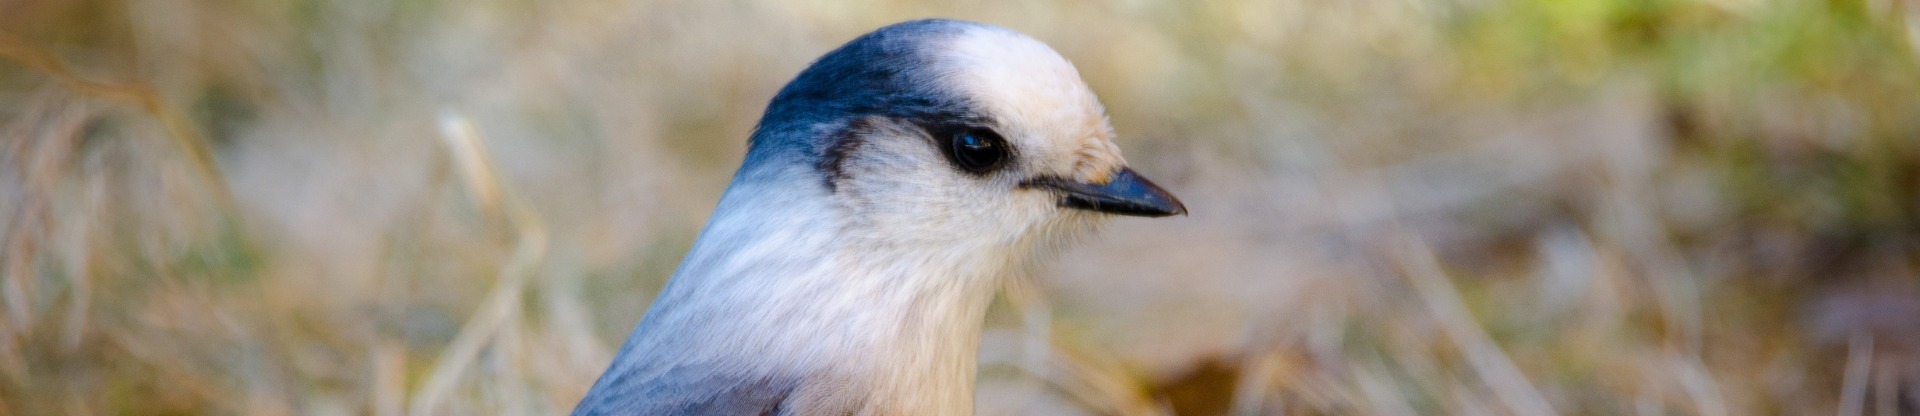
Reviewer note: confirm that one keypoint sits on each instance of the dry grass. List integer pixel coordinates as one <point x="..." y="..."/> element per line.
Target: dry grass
<point x="1457" y="207"/>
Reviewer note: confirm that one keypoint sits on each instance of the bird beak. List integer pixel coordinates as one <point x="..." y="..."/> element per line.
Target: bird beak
<point x="1125" y="193"/>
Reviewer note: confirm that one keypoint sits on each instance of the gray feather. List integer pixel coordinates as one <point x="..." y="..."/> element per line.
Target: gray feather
<point x="686" y="391"/>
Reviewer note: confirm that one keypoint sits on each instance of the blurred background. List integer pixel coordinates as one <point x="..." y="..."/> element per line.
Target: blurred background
<point x="1526" y="207"/>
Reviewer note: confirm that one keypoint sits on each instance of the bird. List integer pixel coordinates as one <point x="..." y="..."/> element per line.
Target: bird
<point x="885" y="194"/>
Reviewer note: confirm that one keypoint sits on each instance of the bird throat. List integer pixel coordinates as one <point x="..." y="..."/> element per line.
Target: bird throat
<point x="870" y="328"/>
<point x="910" y="339"/>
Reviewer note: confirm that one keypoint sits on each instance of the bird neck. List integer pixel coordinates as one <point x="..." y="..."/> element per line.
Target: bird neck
<point x="784" y="290"/>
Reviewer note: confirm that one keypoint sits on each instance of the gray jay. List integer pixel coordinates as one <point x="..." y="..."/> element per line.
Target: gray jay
<point x="886" y="190"/>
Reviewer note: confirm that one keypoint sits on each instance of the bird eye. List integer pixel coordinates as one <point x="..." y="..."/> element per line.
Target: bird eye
<point x="978" y="150"/>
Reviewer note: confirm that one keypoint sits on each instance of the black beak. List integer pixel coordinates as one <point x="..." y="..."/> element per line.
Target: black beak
<point x="1125" y="194"/>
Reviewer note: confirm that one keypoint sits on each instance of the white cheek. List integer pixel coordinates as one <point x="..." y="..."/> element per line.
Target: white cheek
<point x="900" y="191"/>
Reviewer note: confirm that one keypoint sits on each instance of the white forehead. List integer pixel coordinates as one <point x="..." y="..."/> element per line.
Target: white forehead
<point x="1034" y="94"/>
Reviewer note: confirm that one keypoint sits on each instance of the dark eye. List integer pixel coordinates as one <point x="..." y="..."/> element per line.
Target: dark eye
<point x="978" y="150"/>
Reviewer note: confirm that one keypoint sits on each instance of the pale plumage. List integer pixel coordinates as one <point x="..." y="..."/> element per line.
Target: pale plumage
<point x="888" y="187"/>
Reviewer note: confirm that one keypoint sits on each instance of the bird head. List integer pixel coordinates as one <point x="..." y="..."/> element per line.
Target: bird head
<point x="941" y="133"/>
